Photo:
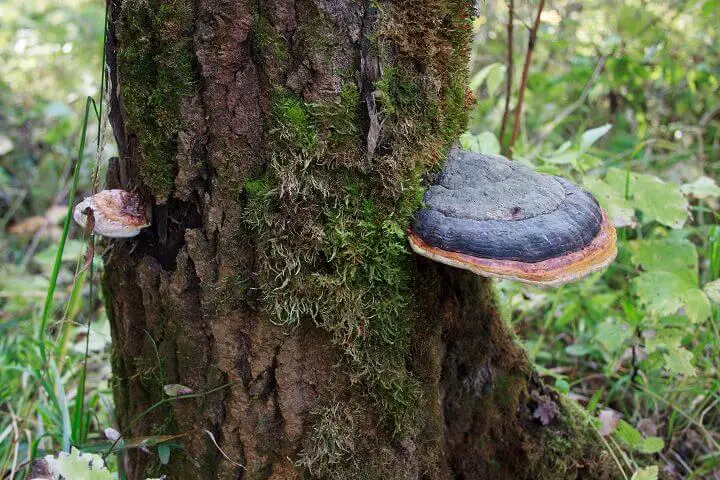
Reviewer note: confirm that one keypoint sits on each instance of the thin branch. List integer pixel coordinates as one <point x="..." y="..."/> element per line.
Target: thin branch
<point x="523" y="80"/>
<point x="509" y="74"/>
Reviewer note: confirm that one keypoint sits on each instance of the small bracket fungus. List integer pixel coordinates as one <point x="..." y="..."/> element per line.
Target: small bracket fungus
<point x="116" y="213"/>
<point x="501" y="219"/>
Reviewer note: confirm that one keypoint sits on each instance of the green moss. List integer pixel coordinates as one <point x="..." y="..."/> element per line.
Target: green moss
<point x="266" y="42"/>
<point x="563" y="446"/>
<point x="157" y="62"/>
<point x="331" y="225"/>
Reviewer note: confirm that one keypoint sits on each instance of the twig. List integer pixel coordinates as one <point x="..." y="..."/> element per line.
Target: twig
<point x="509" y="73"/>
<point x="523" y="80"/>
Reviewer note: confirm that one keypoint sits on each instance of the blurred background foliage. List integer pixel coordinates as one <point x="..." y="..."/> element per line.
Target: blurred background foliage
<point x="623" y="97"/>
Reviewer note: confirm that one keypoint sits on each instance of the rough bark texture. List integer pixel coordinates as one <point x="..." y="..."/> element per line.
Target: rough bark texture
<point x="282" y="146"/>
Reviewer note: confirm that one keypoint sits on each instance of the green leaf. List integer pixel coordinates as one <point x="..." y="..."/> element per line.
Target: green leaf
<point x="612" y="336"/>
<point x="483" y="74"/>
<point x="562" y="386"/>
<point x="656" y="199"/>
<point x="679" y="257"/>
<point x="566" y="158"/>
<point x="679" y="360"/>
<point x="648" y="473"/>
<point x="488" y="143"/>
<point x="668" y="338"/>
<point x="703" y="187"/>
<point x="589" y="137"/>
<point x="77" y="465"/>
<point x="163" y="453"/>
<point x="612" y="199"/>
<point x="495" y="78"/>
<point x="651" y="445"/>
<point x="665" y="293"/>
<point x="577" y="350"/>
<point x="712" y="290"/>
<point x="628" y="434"/>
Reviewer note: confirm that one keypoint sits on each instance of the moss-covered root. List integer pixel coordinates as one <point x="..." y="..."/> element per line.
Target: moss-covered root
<point x="501" y="422"/>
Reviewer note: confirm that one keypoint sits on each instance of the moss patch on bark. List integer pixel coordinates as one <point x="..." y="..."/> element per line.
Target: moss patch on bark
<point x="157" y="64"/>
<point x="331" y="223"/>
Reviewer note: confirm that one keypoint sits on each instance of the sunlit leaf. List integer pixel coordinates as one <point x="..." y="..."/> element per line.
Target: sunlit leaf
<point x="651" y="445"/>
<point x="703" y="187"/>
<point x="589" y="137"/>
<point x="712" y="290"/>
<point x="648" y="473"/>
<point x="628" y="434"/>
<point x="656" y="199"/>
<point x="479" y="78"/>
<point x="676" y="256"/>
<point x="679" y="360"/>
<point x="620" y="210"/>
<point x="76" y="465"/>
<point x="665" y="293"/>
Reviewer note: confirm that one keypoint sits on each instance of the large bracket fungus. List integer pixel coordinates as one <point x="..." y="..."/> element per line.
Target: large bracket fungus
<point x="501" y="219"/>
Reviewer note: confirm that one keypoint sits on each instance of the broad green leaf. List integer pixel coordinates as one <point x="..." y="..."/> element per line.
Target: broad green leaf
<point x="656" y="199"/>
<point x="77" y="465"/>
<point x="488" y="143"/>
<point x="648" y="473"/>
<point x="679" y="360"/>
<point x="562" y="386"/>
<point x="565" y="158"/>
<point x="712" y="290"/>
<point x="589" y="137"/>
<point x="703" y="187"/>
<point x="675" y="256"/>
<point x="495" y="78"/>
<point x="651" y="445"/>
<point x="628" y="434"/>
<point x="620" y="210"/>
<point x="483" y="74"/>
<point x="612" y="336"/>
<point x="710" y="7"/>
<point x="164" y="453"/>
<point x="665" y="293"/>
<point x="668" y="338"/>
<point x="577" y="350"/>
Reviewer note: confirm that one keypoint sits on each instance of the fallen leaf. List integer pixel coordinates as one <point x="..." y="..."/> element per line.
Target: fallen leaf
<point x="177" y="390"/>
<point x="608" y="421"/>
<point x="546" y="412"/>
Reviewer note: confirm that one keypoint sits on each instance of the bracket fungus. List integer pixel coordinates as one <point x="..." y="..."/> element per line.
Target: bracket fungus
<point x="116" y="213"/>
<point x="501" y="219"/>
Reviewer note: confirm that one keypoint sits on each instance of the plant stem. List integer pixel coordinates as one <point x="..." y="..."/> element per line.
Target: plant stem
<point x="523" y="79"/>
<point x="508" y="76"/>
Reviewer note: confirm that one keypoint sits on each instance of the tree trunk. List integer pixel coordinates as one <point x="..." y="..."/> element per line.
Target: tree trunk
<point x="282" y="147"/>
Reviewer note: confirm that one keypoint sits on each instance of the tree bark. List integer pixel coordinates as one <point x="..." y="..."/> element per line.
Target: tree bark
<point x="282" y="147"/>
